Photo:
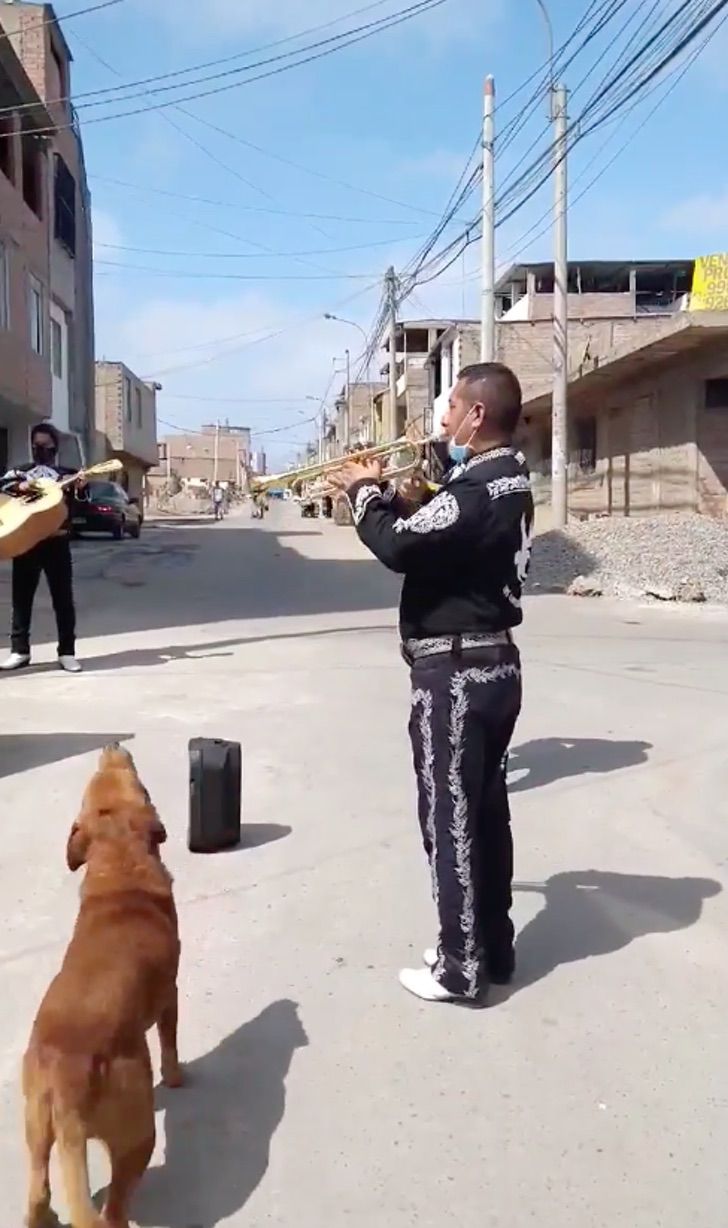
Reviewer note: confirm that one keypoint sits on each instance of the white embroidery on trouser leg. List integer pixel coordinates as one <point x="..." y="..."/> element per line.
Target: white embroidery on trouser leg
<point x="460" y="827"/>
<point x="423" y="700"/>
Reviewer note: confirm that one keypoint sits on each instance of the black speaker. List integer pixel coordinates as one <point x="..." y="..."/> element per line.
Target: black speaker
<point x="215" y="795"/>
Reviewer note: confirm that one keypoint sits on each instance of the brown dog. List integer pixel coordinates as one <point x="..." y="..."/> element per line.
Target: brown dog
<point x="87" y="1072"/>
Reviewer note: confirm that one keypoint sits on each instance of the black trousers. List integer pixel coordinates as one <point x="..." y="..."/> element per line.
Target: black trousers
<point x="53" y="559"/>
<point x="464" y="710"/>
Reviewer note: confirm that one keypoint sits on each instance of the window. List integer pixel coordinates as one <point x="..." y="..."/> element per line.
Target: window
<point x="35" y="304"/>
<point x="4" y="286"/>
<point x="6" y="147"/>
<point x="56" y="349"/>
<point x="64" y="210"/>
<point x="127" y="398"/>
<point x="585" y="430"/>
<point x="33" y="174"/>
<point x="716" y="394"/>
<point x="138" y="395"/>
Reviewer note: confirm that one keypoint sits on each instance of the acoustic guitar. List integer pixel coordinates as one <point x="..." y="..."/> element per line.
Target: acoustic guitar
<point x="28" y="518"/>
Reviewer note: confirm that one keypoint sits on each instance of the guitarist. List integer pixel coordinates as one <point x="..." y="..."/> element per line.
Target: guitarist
<point x="51" y="557"/>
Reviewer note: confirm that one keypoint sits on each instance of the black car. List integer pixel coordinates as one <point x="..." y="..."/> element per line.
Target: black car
<point x="106" y="508"/>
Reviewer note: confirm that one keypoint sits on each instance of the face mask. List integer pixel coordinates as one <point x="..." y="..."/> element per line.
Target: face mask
<point x="459" y="453"/>
<point x="43" y="455"/>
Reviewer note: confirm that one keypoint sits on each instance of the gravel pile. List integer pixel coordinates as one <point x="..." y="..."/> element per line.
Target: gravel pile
<point x="667" y="558"/>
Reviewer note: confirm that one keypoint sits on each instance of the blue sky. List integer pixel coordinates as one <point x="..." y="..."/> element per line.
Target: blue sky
<point x="395" y="118"/>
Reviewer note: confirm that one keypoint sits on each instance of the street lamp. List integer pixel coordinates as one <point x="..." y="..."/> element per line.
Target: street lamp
<point x="328" y="315"/>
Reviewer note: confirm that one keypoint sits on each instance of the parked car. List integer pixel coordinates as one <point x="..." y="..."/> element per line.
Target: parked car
<point x="107" y="509"/>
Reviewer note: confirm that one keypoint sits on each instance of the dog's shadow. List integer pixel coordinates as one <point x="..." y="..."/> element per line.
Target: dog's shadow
<point x="219" y="1126"/>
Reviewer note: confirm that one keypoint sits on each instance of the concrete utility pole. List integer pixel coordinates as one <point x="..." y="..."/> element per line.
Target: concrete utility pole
<point x="390" y="427"/>
<point x="347" y="420"/>
<point x="559" y="412"/>
<point x="216" y="454"/>
<point x="487" y="327"/>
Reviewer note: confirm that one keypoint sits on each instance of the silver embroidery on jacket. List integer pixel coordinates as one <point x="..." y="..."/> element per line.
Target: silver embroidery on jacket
<point x="440" y="513"/>
<point x="515" y="485"/>
<point x="362" y="499"/>
<point x="460" y="825"/>
<point x="423" y="700"/>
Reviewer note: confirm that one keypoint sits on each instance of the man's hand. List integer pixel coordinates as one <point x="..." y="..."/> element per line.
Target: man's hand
<point x="355" y="471"/>
<point x="81" y="483"/>
<point x="414" y="489"/>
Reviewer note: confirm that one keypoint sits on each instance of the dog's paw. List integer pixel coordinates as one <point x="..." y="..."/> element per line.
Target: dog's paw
<point x="172" y="1075"/>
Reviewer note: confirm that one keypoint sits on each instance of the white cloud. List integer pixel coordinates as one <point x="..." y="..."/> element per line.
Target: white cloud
<point x="106" y="229"/>
<point x="703" y="214"/>
<point x="172" y="338"/>
<point x="289" y="17"/>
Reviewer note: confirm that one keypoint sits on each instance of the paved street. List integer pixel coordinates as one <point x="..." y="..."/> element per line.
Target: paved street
<point x="592" y="1095"/>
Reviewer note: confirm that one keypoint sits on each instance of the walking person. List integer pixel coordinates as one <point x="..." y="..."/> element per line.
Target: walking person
<point x="51" y="558"/>
<point x="464" y="555"/>
<point x="218" y="500"/>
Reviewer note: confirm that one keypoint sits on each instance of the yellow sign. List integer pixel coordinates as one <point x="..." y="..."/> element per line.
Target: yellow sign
<point x="710" y="283"/>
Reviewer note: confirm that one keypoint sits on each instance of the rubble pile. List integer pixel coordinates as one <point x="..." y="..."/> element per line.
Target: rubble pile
<point x="676" y="557"/>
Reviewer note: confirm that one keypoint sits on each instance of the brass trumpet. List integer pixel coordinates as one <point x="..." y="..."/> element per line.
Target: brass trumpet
<point x="316" y="473"/>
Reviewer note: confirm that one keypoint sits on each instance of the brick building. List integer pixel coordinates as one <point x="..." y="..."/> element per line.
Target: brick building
<point x="55" y="191"/>
<point x="648" y="376"/>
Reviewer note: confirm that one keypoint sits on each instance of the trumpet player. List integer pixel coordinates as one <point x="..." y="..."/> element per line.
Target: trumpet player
<point x="464" y="554"/>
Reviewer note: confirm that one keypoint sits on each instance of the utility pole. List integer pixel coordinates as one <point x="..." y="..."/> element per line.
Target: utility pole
<point x="487" y="326"/>
<point x="390" y="427"/>
<point x="216" y="452"/>
<point x="347" y="420"/>
<point x="559" y="411"/>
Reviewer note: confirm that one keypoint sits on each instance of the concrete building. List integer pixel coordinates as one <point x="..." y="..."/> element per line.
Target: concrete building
<point x="67" y="337"/>
<point x="126" y="423"/>
<point x="415" y="340"/>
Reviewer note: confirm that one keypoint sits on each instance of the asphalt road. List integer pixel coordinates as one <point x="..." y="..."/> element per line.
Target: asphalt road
<point x="594" y="1093"/>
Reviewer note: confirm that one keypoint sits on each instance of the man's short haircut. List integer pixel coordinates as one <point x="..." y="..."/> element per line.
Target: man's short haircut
<point x="496" y="386"/>
<point x="46" y="428"/>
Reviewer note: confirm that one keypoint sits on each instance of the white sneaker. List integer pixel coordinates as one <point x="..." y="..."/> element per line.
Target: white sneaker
<point x="16" y="660"/>
<point x="70" y="665"/>
<point x="421" y="983"/>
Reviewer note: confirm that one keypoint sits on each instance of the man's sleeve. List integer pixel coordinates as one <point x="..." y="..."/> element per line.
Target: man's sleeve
<point x="424" y="537"/>
<point x="10" y="479"/>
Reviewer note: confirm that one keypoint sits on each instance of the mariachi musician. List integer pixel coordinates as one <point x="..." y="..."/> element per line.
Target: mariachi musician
<point x="51" y="557"/>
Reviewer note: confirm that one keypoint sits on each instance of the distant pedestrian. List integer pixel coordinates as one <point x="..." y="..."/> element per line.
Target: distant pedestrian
<point x="218" y="501"/>
<point x="464" y="555"/>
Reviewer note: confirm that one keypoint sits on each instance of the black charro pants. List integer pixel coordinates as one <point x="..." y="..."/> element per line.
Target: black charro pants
<point x="53" y="559"/>
<point x="464" y="710"/>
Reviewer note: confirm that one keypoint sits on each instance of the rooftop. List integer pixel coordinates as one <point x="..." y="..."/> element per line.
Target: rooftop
<point x="610" y="275"/>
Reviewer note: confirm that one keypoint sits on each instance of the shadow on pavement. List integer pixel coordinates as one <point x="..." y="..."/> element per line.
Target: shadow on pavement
<point x="209" y="576"/>
<point x="256" y="835"/>
<point x="594" y="912"/>
<point x="141" y="657"/>
<point x="219" y="1127"/>
<point x="550" y="759"/>
<point x="20" y="752"/>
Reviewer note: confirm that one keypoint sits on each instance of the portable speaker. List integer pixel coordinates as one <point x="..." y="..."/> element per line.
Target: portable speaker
<point x="215" y="795"/>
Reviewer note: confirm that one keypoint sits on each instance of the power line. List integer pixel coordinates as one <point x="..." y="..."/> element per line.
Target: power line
<point x="324" y="251"/>
<point x="319" y="50"/>
<point x="143" y="268"/>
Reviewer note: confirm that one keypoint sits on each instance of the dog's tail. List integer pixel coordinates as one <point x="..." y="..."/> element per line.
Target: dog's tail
<point x="71" y="1144"/>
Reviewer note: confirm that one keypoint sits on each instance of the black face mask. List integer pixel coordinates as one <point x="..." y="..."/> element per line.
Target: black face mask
<point x="44" y="454"/>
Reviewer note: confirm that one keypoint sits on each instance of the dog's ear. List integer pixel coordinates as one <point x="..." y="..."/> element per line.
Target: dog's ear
<point x="76" y="848"/>
<point x="157" y="831"/>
